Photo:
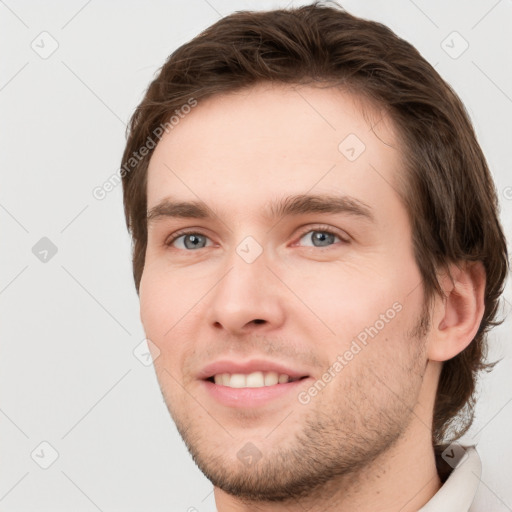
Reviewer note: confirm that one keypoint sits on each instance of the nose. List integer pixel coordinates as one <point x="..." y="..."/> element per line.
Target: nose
<point x="247" y="297"/>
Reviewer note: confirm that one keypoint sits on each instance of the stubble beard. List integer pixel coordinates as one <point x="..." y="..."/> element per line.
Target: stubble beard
<point x="334" y="445"/>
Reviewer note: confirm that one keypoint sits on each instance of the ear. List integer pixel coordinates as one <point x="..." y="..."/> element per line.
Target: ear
<point x="457" y="316"/>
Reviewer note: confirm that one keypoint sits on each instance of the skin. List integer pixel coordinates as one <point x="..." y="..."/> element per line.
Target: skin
<point x="364" y="441"/>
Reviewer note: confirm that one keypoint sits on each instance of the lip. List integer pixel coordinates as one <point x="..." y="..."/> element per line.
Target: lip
<point x="246" y="367"/>
<point x="251" y="397"/>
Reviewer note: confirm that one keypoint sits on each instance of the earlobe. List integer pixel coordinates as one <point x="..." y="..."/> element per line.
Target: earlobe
<point x="458" y="315"/>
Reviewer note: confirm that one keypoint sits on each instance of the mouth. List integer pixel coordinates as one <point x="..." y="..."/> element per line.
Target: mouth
<point x="254" y="389"/>
<point x="252" y="383"/>
<point x="258" y="379"/>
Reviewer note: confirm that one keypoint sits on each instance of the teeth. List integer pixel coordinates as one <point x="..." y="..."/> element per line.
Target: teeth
<point x="252" y="380"/>
<point x="283" y="379"/>
<point x="271" y="378"/>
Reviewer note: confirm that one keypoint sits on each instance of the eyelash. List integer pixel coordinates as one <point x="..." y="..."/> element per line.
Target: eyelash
<point x="319" y="228"/>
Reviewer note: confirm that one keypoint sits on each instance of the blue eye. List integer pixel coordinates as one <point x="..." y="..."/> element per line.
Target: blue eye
<point x="319" y="237"/>
<point x="191" y="240"/>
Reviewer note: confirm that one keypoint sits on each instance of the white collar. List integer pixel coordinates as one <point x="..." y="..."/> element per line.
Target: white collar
<point x="458" y="492"/>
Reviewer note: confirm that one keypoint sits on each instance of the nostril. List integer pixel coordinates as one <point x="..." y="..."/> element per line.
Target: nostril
<point x="259" y="321"/>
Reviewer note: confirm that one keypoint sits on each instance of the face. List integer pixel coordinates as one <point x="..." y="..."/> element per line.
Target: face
<point x="283" y="323"/>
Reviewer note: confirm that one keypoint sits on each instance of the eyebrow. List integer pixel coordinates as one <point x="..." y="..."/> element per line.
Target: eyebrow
<point x="288" y="206"/>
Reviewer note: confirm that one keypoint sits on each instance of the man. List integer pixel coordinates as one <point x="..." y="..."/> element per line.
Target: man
<point x="318" y="257"/>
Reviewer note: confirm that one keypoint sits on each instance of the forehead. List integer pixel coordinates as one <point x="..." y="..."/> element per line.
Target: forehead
<point x="240" y="151"/>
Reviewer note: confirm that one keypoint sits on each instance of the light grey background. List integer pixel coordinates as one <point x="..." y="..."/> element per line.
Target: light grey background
<point x="70" y="324"/>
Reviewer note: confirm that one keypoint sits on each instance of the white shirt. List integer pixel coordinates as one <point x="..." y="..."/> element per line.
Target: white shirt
<point x="458" y="492"/>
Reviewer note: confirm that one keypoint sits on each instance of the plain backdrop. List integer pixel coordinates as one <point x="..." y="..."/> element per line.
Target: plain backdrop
<point x="77" y="395"/>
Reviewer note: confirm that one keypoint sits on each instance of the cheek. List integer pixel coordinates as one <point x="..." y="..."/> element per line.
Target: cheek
<point x="159" y="310"/>
<point x="160" y="305"/>
<point x="345" y="294"/>
<point x="364" y="300"/>
<point x="170" y="311"/>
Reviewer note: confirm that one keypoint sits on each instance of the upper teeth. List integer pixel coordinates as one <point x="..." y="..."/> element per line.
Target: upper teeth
<point x="252" y="380"/>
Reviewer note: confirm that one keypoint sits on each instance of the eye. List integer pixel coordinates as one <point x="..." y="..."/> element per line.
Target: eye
<point x="322" y="236"/>
<point x="191" y="240"/>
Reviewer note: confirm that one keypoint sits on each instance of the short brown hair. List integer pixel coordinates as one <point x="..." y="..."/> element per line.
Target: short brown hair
<point x="446" y="186"/>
